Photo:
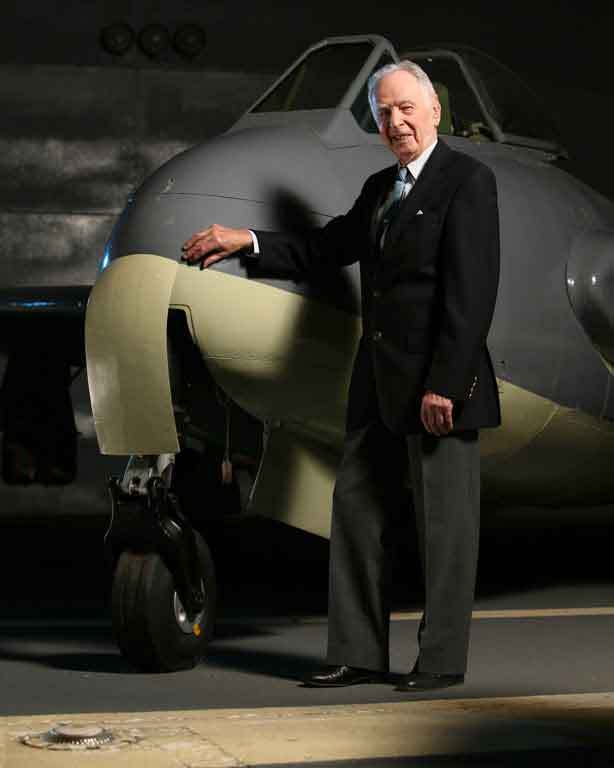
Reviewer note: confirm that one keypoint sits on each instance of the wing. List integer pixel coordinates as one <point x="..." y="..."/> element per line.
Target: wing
<point x="56" y="313"/>
<point x="42" y="337"/>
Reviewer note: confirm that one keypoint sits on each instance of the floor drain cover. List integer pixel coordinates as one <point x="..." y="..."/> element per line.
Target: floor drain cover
<point x="70" y="737"/>
<point x="80" y="735"/>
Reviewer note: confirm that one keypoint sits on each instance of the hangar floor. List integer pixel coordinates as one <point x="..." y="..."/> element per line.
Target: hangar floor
<point x="540" y="683"/>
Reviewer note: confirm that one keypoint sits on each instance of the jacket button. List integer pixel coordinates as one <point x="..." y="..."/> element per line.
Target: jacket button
<point x="377" y="336"/>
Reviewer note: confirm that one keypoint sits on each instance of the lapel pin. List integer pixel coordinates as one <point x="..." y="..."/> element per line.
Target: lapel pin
<point x="420" y="212"/>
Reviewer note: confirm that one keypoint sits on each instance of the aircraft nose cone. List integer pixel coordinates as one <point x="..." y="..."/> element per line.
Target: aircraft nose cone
<point x="590" y="287"/>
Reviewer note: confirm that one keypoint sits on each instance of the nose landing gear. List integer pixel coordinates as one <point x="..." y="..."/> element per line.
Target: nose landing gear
<point x="164" y="590"/>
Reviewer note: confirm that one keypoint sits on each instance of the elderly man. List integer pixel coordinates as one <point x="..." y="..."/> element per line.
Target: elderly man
<point x="426" y="233"/>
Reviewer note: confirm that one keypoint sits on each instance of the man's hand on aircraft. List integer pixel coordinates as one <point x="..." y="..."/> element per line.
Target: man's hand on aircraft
<point x="215" y="243"/>
<point x="436" y="413"/>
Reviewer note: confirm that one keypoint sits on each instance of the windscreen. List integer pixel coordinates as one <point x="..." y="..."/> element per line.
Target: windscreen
<point x="319" y="81"/>
<point x="515" y="107"/>
<point x="461" y="114"/>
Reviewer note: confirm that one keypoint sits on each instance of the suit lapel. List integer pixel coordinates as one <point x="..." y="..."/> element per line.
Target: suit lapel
<point x="428" y="184"/>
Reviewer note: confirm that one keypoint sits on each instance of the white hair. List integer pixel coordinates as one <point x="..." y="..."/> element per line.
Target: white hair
<point x="402" y="66"/>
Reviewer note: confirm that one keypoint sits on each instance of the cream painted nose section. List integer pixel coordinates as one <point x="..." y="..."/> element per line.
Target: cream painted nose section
<point x="281" y="356"/>
<point x="287" y="359"/>
<point x="127" y="358"/>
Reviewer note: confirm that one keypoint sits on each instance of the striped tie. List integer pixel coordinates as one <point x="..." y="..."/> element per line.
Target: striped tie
<point x="399" y="191"/>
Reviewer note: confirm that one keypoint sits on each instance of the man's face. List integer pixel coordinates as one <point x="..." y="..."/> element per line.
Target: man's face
<point x="407" y="115"/>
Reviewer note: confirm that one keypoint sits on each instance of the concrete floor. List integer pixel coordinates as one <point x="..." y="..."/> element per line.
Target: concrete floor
<point x="70" y="669"/>
<point x="539" y="683"/>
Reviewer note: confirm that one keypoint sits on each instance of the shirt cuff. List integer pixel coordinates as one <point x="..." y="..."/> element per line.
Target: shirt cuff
<point x="255" y="245"/>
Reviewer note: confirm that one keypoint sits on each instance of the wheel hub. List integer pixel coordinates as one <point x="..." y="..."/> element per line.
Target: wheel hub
<point x="185" y="625"/>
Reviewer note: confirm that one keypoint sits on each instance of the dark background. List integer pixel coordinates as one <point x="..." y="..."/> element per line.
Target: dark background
<point x="561" y="49"/>
<point x="563" y="42"/>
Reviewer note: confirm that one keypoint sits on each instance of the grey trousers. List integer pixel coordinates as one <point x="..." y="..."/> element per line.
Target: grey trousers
<point x="369" y="501"/>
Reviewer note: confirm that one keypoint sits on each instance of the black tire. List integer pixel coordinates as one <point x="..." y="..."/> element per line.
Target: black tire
<point x="143" y="612"/>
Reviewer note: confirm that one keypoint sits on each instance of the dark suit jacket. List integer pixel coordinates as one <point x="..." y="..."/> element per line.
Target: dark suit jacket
<point x="427" y="297"/>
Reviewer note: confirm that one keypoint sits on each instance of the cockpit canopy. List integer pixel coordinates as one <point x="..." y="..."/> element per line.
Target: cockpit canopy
<point x="480" y="97"/>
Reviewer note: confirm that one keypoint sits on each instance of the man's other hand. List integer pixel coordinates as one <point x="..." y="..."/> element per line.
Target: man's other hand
<point x="436" y="413"/>
<point x="215" y="243"/>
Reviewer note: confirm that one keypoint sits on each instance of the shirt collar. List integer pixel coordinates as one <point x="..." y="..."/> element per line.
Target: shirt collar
<point x="416" y="166"/>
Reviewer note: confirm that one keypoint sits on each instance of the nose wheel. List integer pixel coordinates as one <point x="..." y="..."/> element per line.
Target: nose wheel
<point x="150" y="624"/>
<point x="163" y="592"/>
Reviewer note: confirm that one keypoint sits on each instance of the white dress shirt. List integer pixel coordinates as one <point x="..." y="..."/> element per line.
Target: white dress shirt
<point x="416" y="166"/>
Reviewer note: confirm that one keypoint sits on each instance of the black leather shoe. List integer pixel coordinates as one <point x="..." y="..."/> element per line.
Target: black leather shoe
<point x="428" y="681"/>
<point x="337" y="677"/>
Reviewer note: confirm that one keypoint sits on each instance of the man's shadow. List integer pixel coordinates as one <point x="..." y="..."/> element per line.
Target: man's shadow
<point x="333" y="287"/>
